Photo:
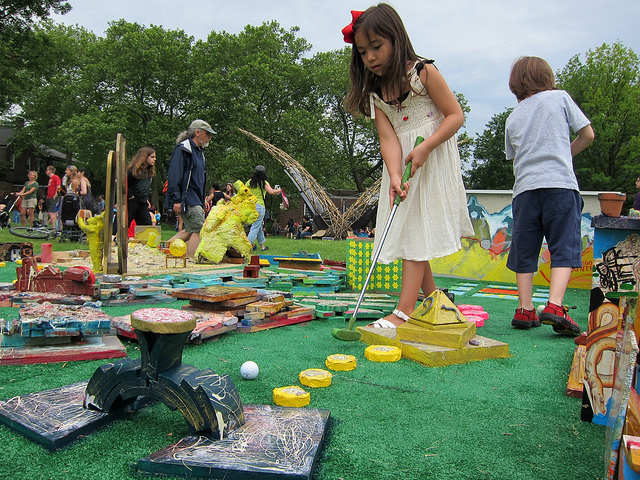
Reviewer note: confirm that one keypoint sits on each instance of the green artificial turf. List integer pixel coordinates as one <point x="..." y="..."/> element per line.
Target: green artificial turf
<point x="493" y="419"/>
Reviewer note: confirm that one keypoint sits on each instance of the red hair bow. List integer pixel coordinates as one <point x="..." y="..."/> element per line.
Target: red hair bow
<point x="348" y="30"/>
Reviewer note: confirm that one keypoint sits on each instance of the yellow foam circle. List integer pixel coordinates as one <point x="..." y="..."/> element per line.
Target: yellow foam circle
<point x="315" y="377"/>
<point x="177" y="248"/>
<point x="341" y="362"/>
<point x="382" y="353"/>
<point x="291" y="396"/>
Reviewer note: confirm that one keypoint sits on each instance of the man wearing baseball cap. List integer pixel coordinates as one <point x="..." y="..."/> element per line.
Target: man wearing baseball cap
<point x="187" y="179"/>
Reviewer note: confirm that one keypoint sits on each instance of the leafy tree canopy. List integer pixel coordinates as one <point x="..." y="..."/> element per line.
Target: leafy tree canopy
<point x="19" y="48"/>
<point x="490" y="169"/>
<point x="22" y="14"/>
<point x="607" y="88"/>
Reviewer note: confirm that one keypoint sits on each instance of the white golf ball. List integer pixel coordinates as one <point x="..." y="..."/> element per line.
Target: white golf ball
<point x="249" y="370"/>
<point x="539" y="309"/>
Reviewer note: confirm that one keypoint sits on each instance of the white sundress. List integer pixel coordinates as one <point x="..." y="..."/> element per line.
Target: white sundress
<point x="430" y="222"/>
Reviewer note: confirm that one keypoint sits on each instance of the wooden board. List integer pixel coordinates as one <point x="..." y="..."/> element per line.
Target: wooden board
<point x="575" y="384"/>
<point x="298" y="314"/>
<point x="299" y="263"/>
<point x="53" y="418"/>
<point x="275" y="442"/>
<point x="201" y="333"/>
<point x="283" y="322"/>
<point x="238" y="302"/>
<point x="214" y="293"/>
<point x="89" y="348"/>
<point x="212" y="307"/>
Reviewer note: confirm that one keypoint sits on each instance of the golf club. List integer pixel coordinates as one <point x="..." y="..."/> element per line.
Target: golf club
<point x="349" y="334"/>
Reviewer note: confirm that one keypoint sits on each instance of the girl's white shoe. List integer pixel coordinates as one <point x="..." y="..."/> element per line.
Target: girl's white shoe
<point x="384" y="323"/>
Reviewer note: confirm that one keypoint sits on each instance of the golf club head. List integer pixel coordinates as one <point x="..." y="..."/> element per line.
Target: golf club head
<point x="345" y="335"/>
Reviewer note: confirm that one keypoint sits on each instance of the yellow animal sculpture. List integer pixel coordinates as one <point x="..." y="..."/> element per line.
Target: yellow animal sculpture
<point x="224" y="227"/>
<point x="93" y="227"/>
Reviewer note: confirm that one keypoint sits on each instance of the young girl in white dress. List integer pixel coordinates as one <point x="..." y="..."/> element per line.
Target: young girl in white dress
<point x="407" y="97"/>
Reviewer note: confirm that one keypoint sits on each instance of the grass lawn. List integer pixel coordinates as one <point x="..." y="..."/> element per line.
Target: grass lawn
<point x="278" y="245"/>
<point x="503" y="419"/>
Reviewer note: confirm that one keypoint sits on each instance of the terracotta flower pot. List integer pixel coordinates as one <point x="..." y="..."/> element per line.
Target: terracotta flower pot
<point x="611" y="203"/>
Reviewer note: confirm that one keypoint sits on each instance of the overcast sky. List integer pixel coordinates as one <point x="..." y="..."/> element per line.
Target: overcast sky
<point x="474" y="43"/>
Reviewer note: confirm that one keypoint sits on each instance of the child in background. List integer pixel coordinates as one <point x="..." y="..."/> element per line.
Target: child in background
<point x="407" y="97"/>
<point x="291" y="229"/>
<point x="546" y="198"/>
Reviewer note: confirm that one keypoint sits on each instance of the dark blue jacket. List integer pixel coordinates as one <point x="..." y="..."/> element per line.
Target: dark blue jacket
<point x="179" y="176"/>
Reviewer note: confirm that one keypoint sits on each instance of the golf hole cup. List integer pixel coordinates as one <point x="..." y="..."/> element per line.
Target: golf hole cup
<point x="249" y="370"/>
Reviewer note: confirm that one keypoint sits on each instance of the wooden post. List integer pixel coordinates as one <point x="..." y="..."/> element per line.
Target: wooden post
<point x="116" y="193"/>
<point x="121" y="198"/>
<point x="109" y="201"/>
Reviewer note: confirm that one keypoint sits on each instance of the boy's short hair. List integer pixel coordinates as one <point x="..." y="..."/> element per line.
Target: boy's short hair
<point x="51" y="168"/>
<point x="530" y="75"/>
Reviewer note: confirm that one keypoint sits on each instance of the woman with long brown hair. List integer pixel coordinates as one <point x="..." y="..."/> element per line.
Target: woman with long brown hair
<point x="140" y="173"/>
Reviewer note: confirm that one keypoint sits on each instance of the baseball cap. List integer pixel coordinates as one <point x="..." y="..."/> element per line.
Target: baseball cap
<point x="202" y="125"/>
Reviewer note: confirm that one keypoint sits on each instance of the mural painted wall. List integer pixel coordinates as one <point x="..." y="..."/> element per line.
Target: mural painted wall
<point x="483" y="256"/>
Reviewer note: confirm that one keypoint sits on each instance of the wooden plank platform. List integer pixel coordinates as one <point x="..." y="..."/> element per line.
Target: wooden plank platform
<point x="260" y="449"/>
<point x="214" y="293"/>
<point x="88" y="348"/>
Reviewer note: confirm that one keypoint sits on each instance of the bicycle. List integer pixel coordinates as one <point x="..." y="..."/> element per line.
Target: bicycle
<point x="37" y="231"/>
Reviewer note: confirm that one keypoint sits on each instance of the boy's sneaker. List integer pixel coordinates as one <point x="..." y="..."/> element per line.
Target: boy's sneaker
<point x="558" y="316"/>
<point x="525" y="319"/>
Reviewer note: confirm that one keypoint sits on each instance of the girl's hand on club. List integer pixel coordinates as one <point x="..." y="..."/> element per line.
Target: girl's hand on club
<point x="396" y="188"/>
<point x="418" y="156"/>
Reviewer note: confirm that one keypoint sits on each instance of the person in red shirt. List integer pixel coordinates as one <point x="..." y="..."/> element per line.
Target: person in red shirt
<point x="52" y="194"/>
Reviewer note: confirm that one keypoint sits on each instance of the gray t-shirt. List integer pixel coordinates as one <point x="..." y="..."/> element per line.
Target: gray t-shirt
<point x="538" y="140"/>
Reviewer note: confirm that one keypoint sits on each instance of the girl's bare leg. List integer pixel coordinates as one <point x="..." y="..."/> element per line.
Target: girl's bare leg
<point x="415" y="276"/>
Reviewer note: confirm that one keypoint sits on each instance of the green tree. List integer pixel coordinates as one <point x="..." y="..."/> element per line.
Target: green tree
<point x="61" y="90"/>
<point x="135" y="81"/>
<point x="20" y="15"/>
<point x="490" y="170"/>
<point x="256" y="81"/>
<point x="20" y="49"/>
<point x="606" y="86"/>
<point x="353" y="152"/>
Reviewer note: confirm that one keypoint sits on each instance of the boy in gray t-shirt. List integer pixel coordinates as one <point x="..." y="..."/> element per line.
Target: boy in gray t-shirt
<point x="546" y="200"/>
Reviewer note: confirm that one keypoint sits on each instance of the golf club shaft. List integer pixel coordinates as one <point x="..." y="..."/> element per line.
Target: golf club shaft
<point x="374" y="260"/>
<point x="376" y="253"/>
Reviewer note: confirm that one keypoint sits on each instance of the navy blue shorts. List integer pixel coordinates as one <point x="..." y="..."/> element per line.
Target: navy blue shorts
<point x="552" y="213"/>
